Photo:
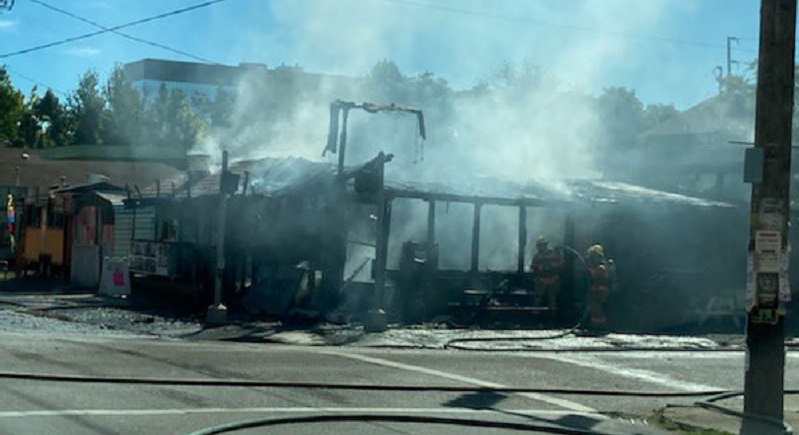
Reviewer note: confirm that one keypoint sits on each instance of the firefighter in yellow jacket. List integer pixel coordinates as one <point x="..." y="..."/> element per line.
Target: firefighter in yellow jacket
<point x="601" y="275"/>
<point x="547" y="267"/>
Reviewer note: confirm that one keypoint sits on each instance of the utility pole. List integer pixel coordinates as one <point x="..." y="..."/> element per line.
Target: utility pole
<point x="730" y="39"/>
<point x="765" y="325"/>
<point x="217" y="313"/>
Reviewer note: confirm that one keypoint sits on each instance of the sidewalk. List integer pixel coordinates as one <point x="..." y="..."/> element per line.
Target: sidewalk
<point x="140" y="314"/>
<point x="712" y="420"/>
<point x="493" y="340"/>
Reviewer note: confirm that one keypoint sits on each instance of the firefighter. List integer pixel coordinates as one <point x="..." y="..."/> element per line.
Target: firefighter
<point x="601" y="274"/>
<point x="547" y="267"/>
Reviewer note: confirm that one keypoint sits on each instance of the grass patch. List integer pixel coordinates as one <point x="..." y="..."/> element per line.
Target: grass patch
<point x="659" y="419"/>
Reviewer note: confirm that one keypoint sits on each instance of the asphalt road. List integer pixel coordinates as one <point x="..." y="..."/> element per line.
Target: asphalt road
<point x="72" y="408"/>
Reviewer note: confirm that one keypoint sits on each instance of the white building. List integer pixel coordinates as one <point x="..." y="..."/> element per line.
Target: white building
<point x="194" y="79"/>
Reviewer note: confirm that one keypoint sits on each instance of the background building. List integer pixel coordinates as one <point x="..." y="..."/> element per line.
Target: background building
<point x="202" y="79"/>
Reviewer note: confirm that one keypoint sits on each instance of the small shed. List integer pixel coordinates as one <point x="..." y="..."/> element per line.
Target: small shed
<point x="90" y="228"/>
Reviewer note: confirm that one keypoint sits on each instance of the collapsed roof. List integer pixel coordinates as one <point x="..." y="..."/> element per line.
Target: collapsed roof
<point x="271" y="177"/>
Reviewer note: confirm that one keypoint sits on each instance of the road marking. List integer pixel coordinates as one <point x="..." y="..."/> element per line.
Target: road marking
<point x="563" y="403"/>
<point x="277" y="410"/>
<point x="594" y="362"/>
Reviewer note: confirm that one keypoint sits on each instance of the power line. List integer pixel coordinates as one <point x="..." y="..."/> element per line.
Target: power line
<point x="112" y="29"/>
<point x="507" y="18"/>
<point x="32" y="80"/>
<point x="6" y="5"/>
<point x="124" y="35"/>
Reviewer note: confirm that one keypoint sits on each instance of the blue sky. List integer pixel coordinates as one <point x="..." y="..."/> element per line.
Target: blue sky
<point x="664" y="49"/>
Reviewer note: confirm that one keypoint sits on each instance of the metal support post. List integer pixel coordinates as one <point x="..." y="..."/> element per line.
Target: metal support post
<point x="765" y="329"/>
<point x="217" y="313"/>
<point x="376" y="319"/>
<point x="522" y="238"/>
<point x="431" y="224"/>
<point x="342" y="146"/>
<point x="476" y="237"/>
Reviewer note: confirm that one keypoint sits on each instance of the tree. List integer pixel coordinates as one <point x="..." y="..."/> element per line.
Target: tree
<point x="30" y="128"/>
<point x="125" y="110"/>
<point x="659" y="113"/>
<point x="171" y="121"/>
<point x="12" y="105"/>
<point x="525" y="78"/>
<point x="87" y="106"/>
<point x="622" y="119"/>
<point x="56" y="123"/>
<point x="385" y="82"/>
<point x="222" y="108"/>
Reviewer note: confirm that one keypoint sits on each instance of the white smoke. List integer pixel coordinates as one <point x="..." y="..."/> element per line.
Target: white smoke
<point x="531" y="122"/>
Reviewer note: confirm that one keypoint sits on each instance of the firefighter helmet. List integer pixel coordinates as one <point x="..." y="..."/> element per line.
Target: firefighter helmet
<point x="542" y="241"/>
<point x="595" y="251"/>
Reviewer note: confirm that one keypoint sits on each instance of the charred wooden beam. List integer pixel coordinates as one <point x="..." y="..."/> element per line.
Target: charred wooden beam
<point x="361" y="243"/>
<point x="431" y="224"/>
<point x="476" y="237"/>
<point x="571" y="267"/>
<point x="381" y="252"/>
<point x="488" y="200"/>
<point x="246" y="183"/>
<point x="342" y="147"/>
<point x="522" y="238"/>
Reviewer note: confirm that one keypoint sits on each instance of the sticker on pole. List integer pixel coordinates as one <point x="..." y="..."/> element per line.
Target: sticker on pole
<point x="768" y="241"/>
<point x="771" y="215"/>
<point x="768" y="262"/>
<point x="772" y="221"/>
<point x="768" y="252"/>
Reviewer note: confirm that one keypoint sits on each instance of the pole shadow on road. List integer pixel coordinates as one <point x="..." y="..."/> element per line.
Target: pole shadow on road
<point x="488" y="400"/>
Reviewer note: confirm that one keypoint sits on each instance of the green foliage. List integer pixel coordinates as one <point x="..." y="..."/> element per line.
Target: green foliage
<point x="386" y="83"/>
<point x="172" y="122"/>
<point x="30" y="129"/>
<point x="622" y="116"/>
<point x="12" y="105"/>
<point x="124" y="112"/>
<point x="659" y="113"/>
<point x="88" y="107"/>
<point x="56" y="122"/>
<point x="216" y="111"/>
<point x="525" y="78"/>
<point x="222" y="108"/>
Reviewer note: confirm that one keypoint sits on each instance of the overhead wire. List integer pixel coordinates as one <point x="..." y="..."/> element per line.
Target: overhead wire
<point x="112" y="29"/>
<point x="123" y="34"/>
<point x="138" y="39"/>
<point x="32" y="80"/>
<point x="527" y="20"/>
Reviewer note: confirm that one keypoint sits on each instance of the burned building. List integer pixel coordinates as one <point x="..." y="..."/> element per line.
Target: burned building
<point x="285" y="227"/>
<point x="673" y="252"/>
<point x="302" y="234"/>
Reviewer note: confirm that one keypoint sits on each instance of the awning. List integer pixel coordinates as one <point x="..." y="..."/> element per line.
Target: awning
<point x="115" y="198"/>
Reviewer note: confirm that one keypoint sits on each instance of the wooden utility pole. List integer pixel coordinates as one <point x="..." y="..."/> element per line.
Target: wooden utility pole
<point x="765" y="326"/>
